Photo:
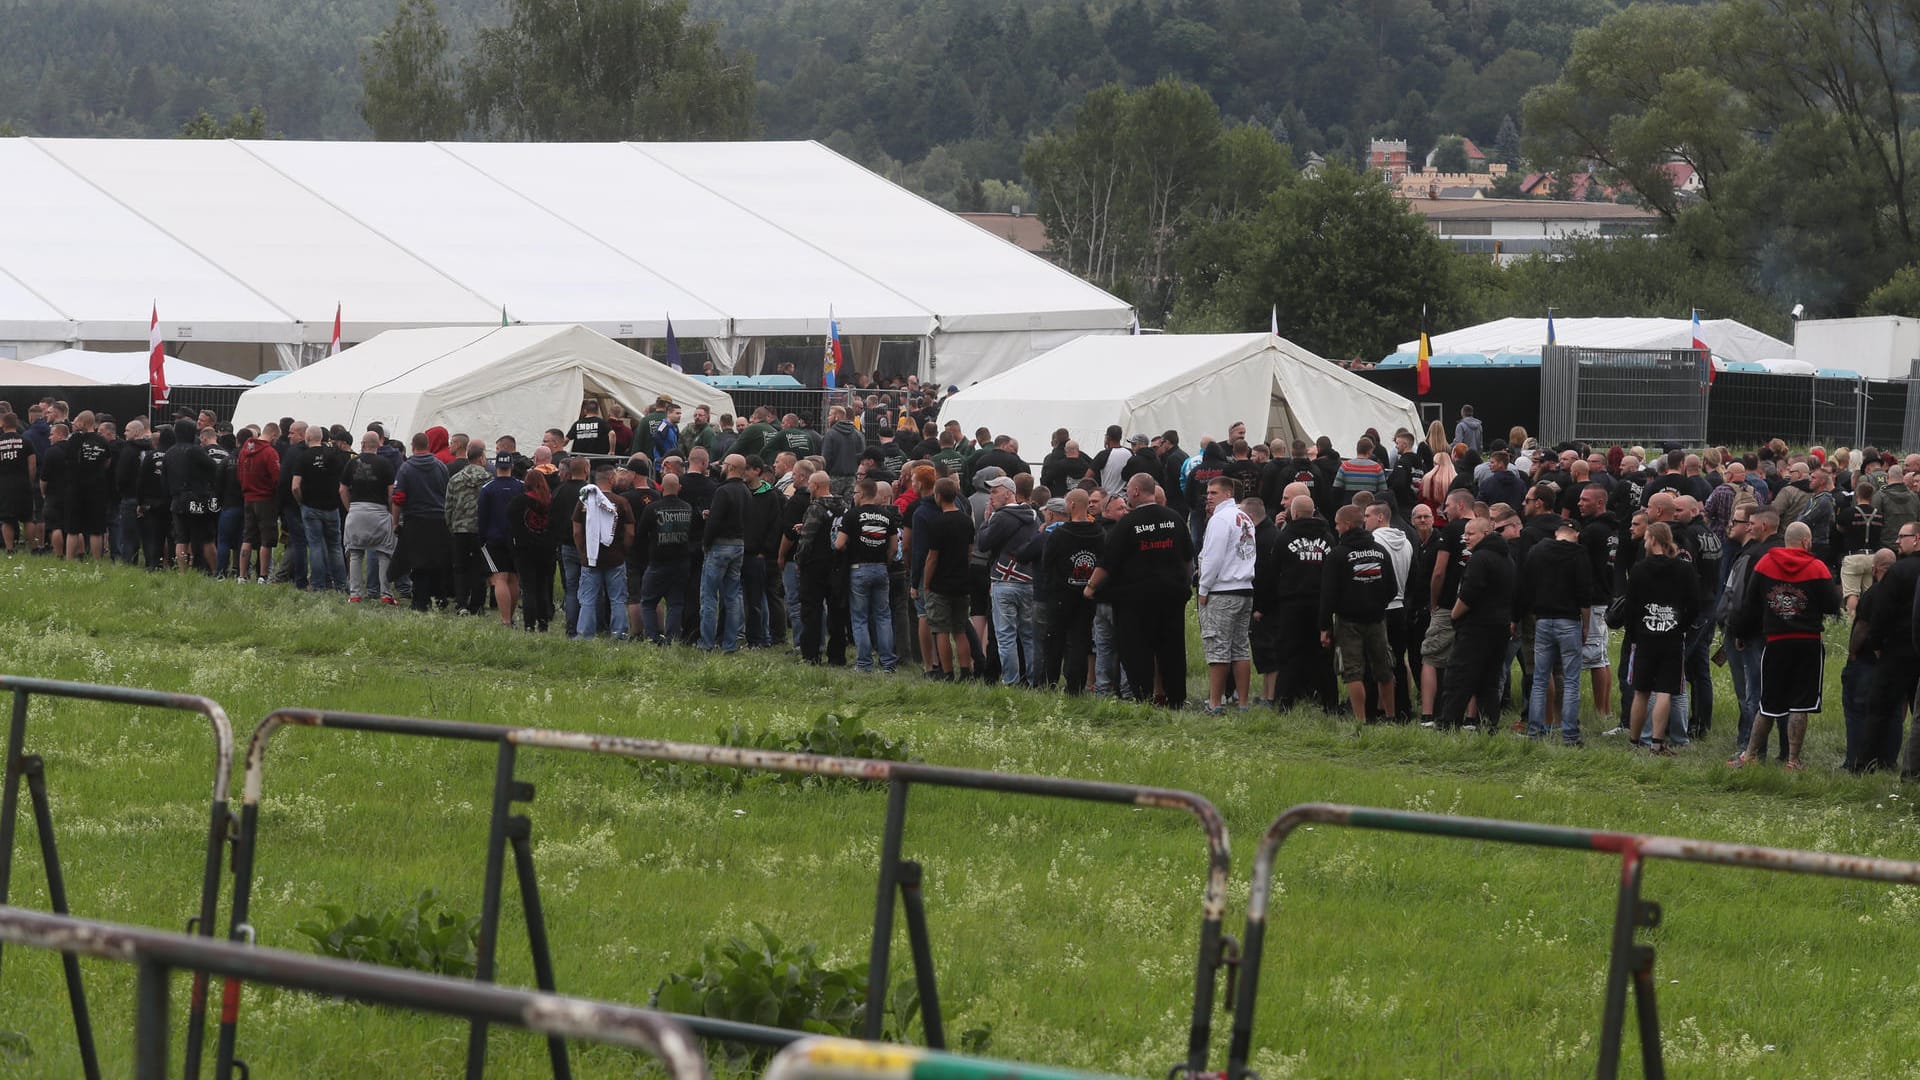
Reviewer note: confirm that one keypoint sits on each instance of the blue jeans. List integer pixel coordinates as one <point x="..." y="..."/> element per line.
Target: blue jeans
<point x="610" y="579"/>
<point x="872" y="609"/>
<point x="753" y="588"/>
<point x="1108" y="679"/>
<point x="790" y="577"/>
<point x="1746" y="685"/>
<point x="1014" y="629"/>
<point x="226" y="536"/>
<point x="126" y="532"/>
<point x="663" y="581"/>
<point x="720" y="588"/>
<point x="570" y="584"/>
<point x="1556" y="650"/>
<point x="292" y="564"/>
<point x="326" y="561"/>
<point x="1696" y="687"/>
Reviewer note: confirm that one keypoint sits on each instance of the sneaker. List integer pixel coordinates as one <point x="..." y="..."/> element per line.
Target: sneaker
<point x="353" y="599"/>
<point x="1613" y="732"/>
<point x="1737" y="761"/>
<point x="1661" y="749"/>
<point x="388" y="600"/>
<point x="1430" y="725"/>
<point x="1211" y="710"/>
<point x="260" y="580"/>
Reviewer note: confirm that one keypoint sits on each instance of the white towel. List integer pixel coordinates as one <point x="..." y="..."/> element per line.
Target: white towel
<point x="602" y="519"/>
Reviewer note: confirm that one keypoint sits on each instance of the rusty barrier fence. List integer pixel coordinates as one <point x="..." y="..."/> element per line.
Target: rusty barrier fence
<point x="1629" y="960"/>
<point x="157" y="954"/>
<point x="898" y="886"/>
<point x="21" y="765"/>
<point x="821" y="1057"/>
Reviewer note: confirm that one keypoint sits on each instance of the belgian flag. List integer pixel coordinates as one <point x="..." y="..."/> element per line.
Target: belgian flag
<point x="1423" y="373"/>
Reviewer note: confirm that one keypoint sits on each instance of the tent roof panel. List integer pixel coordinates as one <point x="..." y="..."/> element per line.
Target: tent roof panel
<point x="719" y="251"/>
<point x="92" y="257"/>
<point x="497" y="243"/>
<point x="265" y="229"/>
<point x="888" y="233"/>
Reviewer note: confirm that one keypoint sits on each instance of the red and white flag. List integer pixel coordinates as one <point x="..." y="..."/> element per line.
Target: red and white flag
<point x="1707" y="374"/>
<point x="333" y="348"/>
<point x="156" y="360"/>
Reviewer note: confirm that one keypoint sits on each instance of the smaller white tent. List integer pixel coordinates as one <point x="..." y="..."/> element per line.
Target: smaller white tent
<point x="1196" y="384"/>
<point x="21" y="373"/>
<point x="1730" y="341"/>
<point x="485" y="381"/>
<point x="130" y="369"/>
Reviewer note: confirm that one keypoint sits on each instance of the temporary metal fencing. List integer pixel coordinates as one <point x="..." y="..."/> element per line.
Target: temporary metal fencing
<point x="30" y="767"/>
<point x="1628" y="961"/>
<point x="1750" y="408"/>
<point x="899" y="881"/>
<point x="1607" y="396"/>
<point x="823" y="1058"/>
<point x="156" y="955"/>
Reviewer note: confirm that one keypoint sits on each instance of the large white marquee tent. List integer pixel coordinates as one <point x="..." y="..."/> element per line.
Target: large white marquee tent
<point x="1196" y="384"/>
<point x="247" y="248"/>
<point x="486" y="381"/>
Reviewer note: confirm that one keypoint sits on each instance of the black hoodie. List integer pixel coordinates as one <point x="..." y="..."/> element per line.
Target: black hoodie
<point x="1487" y="584"/>
<point x="1299" y="557"/>
<point x="1358" y="583"/>
<point x="1663" y="598"/>
<point x="1556" y="581"/>
<point x="1600" y="539"/>
<point x="1071" y="555"/>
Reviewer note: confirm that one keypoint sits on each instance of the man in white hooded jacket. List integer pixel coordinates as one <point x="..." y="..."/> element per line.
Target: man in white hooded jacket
<point x="1226" y="595"/>
<point x="1400" y="552"/>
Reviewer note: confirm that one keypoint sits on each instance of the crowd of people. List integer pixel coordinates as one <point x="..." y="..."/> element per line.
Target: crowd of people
<point x="1398" y="579"/>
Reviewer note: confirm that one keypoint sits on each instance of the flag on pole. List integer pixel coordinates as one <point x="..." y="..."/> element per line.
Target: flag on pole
<point x="333" y="347"/>
<point x="673" y="347"/>
<point x="1550" y="338"/>
<point x="156" y="361"/>
<point x="1423" y="375"/>
<point x="1135" y="331"/>
<point x="1273" y="321"/>
<point x="1706" y="355"/>
<point x="503" y="315"/>
<point x="830" y="362"/>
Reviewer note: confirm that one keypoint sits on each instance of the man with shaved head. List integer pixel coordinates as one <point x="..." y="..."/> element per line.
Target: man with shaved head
<point x="1787" y="601"/>
<point x="724" y="536"/>
<point x="1291" y="598"/>
<point x="1144" y="573"/>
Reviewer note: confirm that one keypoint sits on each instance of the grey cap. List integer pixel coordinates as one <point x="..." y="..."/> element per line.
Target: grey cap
<point x="1056" y="506"/>
<point x="982" y="475"/>
<point x="1138" y="440"/>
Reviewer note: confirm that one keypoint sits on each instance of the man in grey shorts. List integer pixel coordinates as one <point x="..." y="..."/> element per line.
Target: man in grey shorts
<point x="1226" y="596"/>
<point x="1436" y="649"/>
<point x="1354" y="594"/>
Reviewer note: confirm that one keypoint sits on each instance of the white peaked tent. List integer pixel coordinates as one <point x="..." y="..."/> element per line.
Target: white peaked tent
<point x="486" y="381"/>
<point x="130" y="369"/>
<point x="1196" y="384"/>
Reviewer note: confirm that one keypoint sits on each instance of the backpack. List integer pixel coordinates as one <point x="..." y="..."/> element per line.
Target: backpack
<point x="818" y="527"/>
<point x="1743" y="496"/>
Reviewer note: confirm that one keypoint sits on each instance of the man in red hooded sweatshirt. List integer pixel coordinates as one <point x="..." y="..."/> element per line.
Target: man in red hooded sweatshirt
<point x="259" y="485"/>
<point x="440" y="446"/>
<point x="1789" y="597"/>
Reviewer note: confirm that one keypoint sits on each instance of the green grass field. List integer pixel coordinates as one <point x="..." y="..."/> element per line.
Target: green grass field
<point x="1068" y="927"/>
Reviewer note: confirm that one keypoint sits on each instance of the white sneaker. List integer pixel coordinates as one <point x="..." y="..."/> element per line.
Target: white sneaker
<point x="1613" y="732"/>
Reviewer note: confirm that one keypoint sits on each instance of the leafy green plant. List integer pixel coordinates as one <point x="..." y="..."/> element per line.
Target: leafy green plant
<point x="760" y="979"/>
<point x="833" y="734"/>
<point x="422" y="934"/>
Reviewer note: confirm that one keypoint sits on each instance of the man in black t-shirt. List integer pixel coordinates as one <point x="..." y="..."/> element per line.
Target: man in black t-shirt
<point x="317" y="486"/>
<point x="16" y="480"/>
<point x="665" y="533"/>
<point x="944" y="580"/>
<point x="1145" y="573"/>
<point x="89" y="489"/>
<point x="869" y="538"/>
<point x="590" y="434"/>
<point x="190" y="474"/>
<point x="1449" y="560"/>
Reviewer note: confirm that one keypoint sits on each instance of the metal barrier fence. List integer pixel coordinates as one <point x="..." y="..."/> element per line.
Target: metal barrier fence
<point x="156" y="955"/>
<point x="823" y="1058"/>
<point x="30" y="767"/>
<point x="1749" y="408"/>
<point x="1607" y="396"/>
<point x="221" y="399"/>
<point x="898" y="877"/>
<point x="1628" y="960"/>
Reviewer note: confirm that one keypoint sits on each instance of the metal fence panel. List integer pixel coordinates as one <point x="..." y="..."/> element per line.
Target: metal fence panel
<point x="1559" y="393"/>
<point x="1885" y="426"/>
<point x="1630" y="395"/>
